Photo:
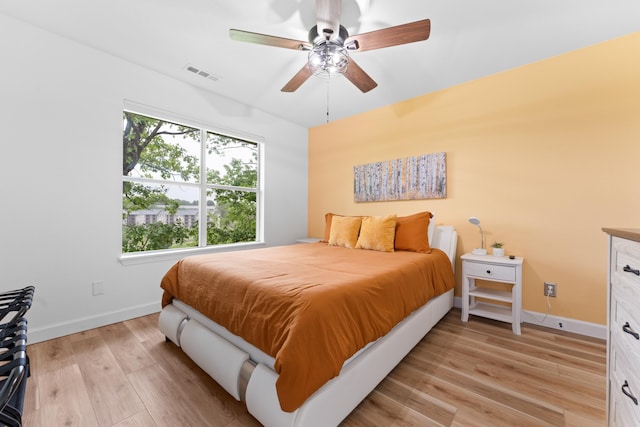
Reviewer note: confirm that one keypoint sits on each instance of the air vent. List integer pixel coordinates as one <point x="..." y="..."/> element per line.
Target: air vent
<point x="202" y="73"/>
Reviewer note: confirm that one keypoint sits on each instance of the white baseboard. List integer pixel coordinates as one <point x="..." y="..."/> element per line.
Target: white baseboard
<point x="594" y="330"/>
<point x="589" y="329"/>
<point x="61" y="329"/>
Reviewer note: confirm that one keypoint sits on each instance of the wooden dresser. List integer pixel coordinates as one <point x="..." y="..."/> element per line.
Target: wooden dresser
<point x="623" y="353"/>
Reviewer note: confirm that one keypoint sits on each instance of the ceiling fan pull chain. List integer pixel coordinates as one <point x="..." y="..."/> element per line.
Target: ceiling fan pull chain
<point x="328" y="80"/>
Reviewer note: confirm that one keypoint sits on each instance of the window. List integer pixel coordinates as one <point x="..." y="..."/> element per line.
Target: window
<point x="186" y="186"/>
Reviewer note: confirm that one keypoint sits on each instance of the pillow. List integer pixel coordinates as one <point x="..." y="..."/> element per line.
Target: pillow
<point x="328" y="217"/>
<point x="377" y="233"/>
<point x="327" y="226"/>
<point x="344" y="231"/>
<point x="412" y="232"/>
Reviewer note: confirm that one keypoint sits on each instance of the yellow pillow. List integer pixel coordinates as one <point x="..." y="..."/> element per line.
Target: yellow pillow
<point x="344" y="231"/>
<point x="377" y="233"/>
<point x="328" y="217"/>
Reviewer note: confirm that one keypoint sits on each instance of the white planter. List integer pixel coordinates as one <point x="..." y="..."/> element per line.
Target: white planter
<point x="498" y="252"/>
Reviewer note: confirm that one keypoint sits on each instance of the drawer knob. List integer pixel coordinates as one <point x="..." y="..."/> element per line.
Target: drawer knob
<point x="631" y="270"/>
<point x="488" y="271"/>
<point x="627" y="328"/>
<point x="627" y="392"/>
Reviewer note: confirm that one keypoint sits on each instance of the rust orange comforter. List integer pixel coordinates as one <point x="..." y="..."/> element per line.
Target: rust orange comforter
<point x="310" y="306"/>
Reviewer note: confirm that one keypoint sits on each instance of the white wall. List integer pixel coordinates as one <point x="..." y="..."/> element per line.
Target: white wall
<point x="60" y="134"/>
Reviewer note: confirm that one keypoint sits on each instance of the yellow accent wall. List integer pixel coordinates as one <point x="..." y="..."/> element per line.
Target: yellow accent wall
<point x="545" y="155"/>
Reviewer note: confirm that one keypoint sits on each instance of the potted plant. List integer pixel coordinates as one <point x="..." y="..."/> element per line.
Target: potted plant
<point x="497" y="250"/>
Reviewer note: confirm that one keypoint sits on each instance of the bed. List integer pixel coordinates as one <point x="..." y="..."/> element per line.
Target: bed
<point x="254" y="365"/>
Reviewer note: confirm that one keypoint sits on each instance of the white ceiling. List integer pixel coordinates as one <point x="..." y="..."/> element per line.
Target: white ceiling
<point x="469" y="39"/>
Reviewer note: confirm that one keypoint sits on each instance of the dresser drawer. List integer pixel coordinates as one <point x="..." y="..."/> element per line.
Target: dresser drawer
<point x="622" y="412"/>
<point x="626" y="261"/>
<point x="625" y="301"/>
<point x="627" y="288"/>
<point x="625" y="387"/>
<point x="491" y="272"/>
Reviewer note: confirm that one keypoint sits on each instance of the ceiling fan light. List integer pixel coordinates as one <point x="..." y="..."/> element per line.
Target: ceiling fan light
<point x="328" y="59"/>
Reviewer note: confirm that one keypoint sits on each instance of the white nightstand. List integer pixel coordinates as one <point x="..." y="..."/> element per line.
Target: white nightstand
<point x="308" y="240"/>
<point x="493" y="269"/>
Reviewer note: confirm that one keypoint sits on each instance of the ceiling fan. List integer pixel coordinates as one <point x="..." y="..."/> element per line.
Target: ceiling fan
<point x="329" y="43"/>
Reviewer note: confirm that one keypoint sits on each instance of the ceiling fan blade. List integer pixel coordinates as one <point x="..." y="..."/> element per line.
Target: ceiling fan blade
<point x="249" y="37"/>
<point x="297" y="80"/>
<point x="328" y="17"/>
<point x="358" y="77"/>
<point x="392" y="36"/>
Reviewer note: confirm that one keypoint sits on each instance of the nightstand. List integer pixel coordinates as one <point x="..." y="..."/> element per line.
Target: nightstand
<point x="308" y="240"/>
<point x="493" y="269"/>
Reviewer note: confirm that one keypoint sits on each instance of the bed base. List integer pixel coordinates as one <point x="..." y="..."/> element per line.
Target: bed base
<point x="254" y="381"/>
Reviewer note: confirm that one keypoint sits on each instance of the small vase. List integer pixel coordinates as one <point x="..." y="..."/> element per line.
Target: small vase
<point x="498" y="252"/>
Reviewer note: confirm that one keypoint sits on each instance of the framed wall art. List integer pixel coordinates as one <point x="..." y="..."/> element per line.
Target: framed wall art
<point x="411" y="178"/>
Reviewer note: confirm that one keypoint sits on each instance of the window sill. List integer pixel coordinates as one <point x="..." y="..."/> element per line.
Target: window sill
<point x="177" y="254"/>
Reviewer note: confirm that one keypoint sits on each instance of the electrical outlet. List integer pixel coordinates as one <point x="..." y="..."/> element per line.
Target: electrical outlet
<point x="550" y="289"/>
<point x="96" y="288"/>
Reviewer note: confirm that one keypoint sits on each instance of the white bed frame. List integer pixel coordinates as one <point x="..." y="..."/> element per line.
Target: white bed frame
<point x="247" y="373"/>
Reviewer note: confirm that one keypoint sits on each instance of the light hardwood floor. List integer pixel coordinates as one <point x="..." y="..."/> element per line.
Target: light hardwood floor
<point x="473" y="374"/>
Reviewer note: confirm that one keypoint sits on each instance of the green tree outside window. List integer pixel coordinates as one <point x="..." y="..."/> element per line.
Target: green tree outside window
<point x="162" y="186"/>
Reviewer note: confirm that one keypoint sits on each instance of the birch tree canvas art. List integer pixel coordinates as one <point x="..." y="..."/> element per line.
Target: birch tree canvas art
<point x="411" y="178"/>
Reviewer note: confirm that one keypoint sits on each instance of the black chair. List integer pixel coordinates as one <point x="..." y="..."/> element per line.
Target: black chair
<point x="14" y="362"/>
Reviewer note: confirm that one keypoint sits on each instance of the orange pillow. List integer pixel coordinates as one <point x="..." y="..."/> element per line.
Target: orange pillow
<point x="327" y="226"/>
<point x="411" y="232"/>
<point x="377" y="233"/>
<point x="344" y="231"/>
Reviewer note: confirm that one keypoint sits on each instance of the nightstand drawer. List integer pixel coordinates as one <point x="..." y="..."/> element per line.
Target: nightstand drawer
<point x="491" y="272"/>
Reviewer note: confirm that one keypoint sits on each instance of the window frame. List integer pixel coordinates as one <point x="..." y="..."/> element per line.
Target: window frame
<point x="128" y="258"/>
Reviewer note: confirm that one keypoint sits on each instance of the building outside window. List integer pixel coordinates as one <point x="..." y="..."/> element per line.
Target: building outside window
<point x="186" y="186"/>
